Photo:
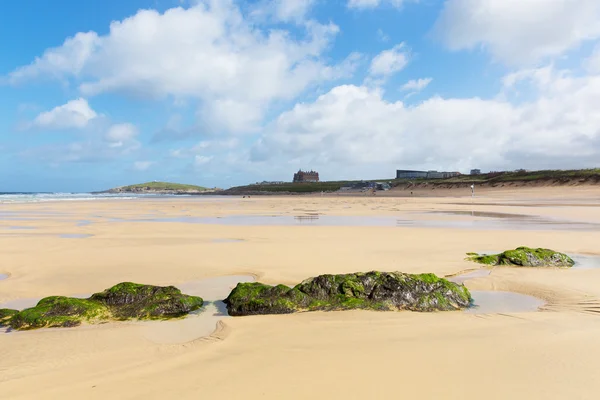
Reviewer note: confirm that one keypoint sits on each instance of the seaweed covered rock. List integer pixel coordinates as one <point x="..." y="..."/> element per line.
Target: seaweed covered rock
<point x="6" y="314"/>
<point x="525" y="257"/>
<point x="374" y="290"/>
<point x="59" y="311"/>
<point x="123" y="301"/>
<point x="132" y="300"/>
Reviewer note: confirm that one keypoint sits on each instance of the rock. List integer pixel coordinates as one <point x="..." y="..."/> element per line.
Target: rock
<point x="385" y="291"/>
<point x="121" y="302"/>
<point x="131" y="300"/>
<point x="6" y="314"/>
<point x="524" y="257"/>
<point x="59" y="311"/>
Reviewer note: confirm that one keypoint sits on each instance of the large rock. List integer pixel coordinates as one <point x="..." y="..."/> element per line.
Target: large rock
<point x="374" y="290"/>
<point x="131" y="300"/>
<point x="121" y="302"/>
<point x="525" y="257"/>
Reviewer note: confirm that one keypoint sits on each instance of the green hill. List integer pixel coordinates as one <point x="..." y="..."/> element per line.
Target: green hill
<point x="159" y="187"/>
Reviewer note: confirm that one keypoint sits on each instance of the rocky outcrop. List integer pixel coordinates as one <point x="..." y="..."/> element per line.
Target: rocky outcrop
<point x="121" y="302"/>
<point x="131" y="300"/>
<point x="6" y="314"/>
<point x="524" y="257"/>
<point x="385" y="291"/>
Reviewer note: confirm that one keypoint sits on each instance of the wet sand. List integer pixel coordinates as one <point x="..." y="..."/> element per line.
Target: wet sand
<point x="548" y="354"/>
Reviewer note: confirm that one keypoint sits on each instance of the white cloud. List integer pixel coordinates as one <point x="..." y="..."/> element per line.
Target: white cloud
<point x="390" y="61"/>
<point x="363" y="4"/>
<point x="353" y="131"/>
<point x="142" y="165"/>
<point x="416" y="85"/>
<point x="68" y="59"/>
<point x="290" y="10"/>
<point x="74" y="114"/>
<point x="519" y="32"/>
<point x="211" y="52"/>
<point x="120" y="133"/>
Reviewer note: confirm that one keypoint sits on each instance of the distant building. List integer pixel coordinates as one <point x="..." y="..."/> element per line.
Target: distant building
<point x="475" y="172"/>
<point x="410" y="174"/>
<point x="306" y="176"/>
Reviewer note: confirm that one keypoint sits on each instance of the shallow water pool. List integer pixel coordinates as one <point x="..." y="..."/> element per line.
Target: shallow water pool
<point x="496" y="302"/>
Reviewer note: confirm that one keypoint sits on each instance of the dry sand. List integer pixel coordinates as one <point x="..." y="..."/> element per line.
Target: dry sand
<point x="551" y="354"/>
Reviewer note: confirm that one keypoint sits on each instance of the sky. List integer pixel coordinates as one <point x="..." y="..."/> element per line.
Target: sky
<point x="101" y="93"/>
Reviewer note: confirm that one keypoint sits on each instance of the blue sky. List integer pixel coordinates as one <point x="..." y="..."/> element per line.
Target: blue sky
<point x="98" y="94"/>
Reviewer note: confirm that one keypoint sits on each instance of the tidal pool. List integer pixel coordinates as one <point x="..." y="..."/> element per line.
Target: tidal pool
<point x="3" y="276"/>
<point x="462" y="278"/>
<point x="227" y="240"/>
<point x="496" y="302"/>
<point x="483" y="221"/>
<point x="585" y="261"/>
<point x="75" y="235"/>
<point x="200" y="323"/>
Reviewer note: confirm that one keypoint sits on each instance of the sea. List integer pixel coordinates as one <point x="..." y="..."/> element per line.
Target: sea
<point x="35" y="197"/>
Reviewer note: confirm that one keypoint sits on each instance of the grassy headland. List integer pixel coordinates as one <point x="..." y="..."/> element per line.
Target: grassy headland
<point x="493" y="179"/>
<point x="159" y="187"/>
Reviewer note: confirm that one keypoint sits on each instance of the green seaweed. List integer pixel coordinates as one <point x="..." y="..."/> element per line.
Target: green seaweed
<point x="525" y="257"/>
<point x="124" y="301"/>
<point x="59" y="311"/>
<point x="372" y="291"/>
<point x="6" y="314"/>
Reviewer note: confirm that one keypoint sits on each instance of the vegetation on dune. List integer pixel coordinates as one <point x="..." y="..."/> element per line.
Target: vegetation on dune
<point x="489" y="179"/>
<point x="121" y="302"/>
<point x="160" y="186"/>
<point x="554" y="176"/>
<point x="524" y="257"/>
<point x="373" y="290"/>
<point x="305" y="187"/>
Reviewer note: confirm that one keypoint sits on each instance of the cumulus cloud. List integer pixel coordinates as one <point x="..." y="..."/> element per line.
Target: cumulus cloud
<point x="74" y="114"/>
<point x="519" y="32"/>
<point x="416" y="85"/>
<point x="210" y="52"/>
<point x="99" y="139"/>
<point x="353" y="128"/>
<point x="291" y="10"/>
<point x="390" y="61"/>
<point x="119" y="135"/>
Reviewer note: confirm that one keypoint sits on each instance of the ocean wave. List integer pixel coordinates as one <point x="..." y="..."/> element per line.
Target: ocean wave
<point x="45" y="197"/>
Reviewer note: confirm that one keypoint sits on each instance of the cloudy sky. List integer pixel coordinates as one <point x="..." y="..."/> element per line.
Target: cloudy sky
<point x="100" y="93"/>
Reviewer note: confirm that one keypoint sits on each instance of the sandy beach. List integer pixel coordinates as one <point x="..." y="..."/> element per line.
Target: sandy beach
<point x="81" y="247"/>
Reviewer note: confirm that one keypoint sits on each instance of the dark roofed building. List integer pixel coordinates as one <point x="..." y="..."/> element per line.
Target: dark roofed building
<point x="306" y="176"/>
